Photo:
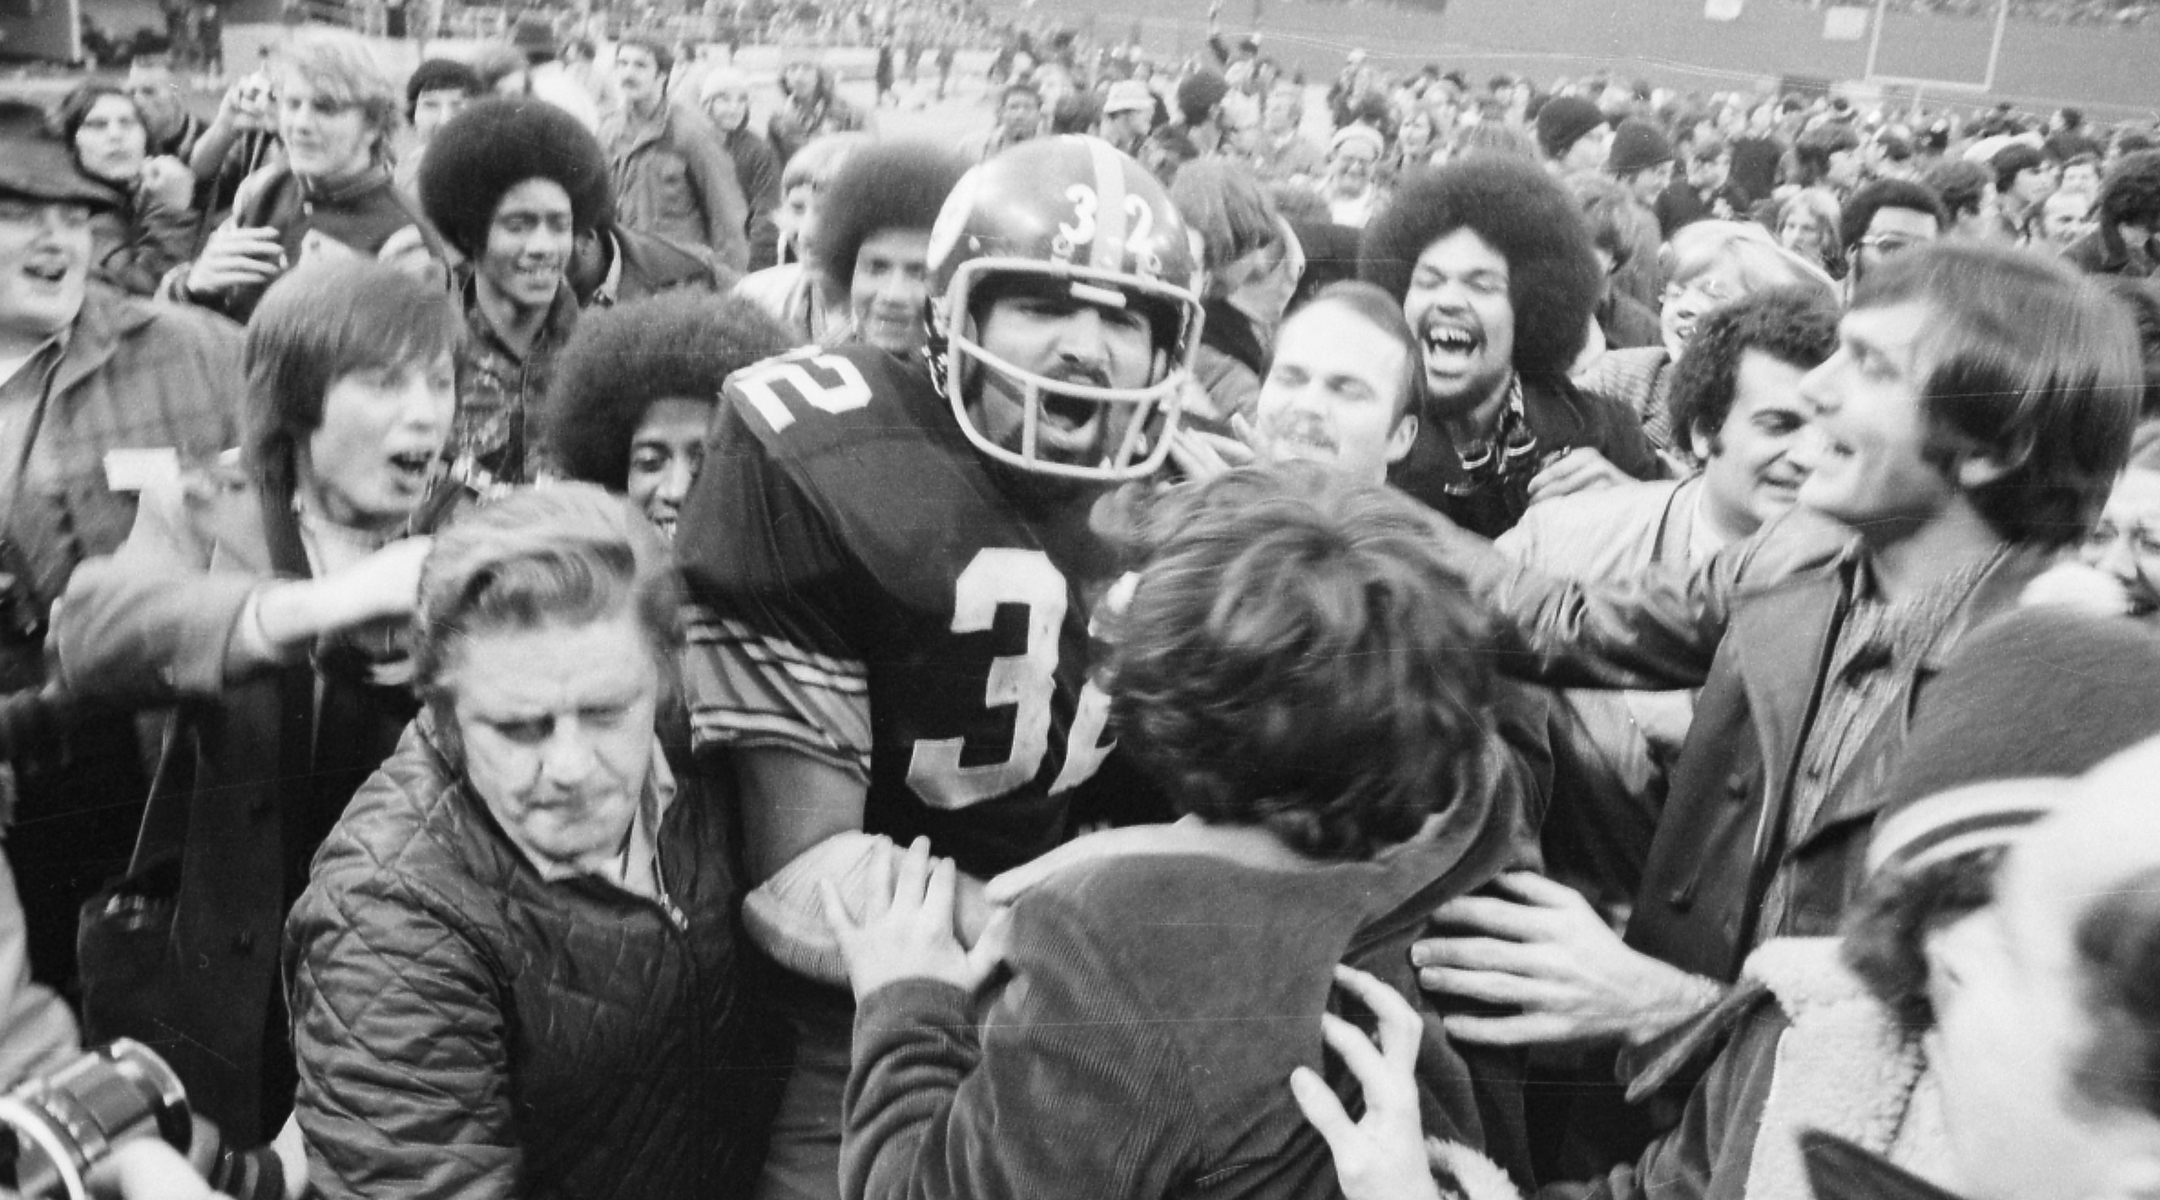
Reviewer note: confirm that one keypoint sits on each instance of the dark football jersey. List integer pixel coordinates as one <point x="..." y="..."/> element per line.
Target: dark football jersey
<point x="868" y="589"/>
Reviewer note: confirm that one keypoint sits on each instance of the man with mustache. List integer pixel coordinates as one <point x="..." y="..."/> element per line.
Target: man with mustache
<point x="1497" y="277"/>
<point x="894" y="573"/>
<point x="1342" y="386"/>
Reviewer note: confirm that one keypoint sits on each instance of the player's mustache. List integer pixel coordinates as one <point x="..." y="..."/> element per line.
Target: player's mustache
<point x="1076" y="373"/>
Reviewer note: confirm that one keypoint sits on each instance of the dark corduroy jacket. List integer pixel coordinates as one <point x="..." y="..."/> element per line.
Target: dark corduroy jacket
<point x="1144" y="1043"/>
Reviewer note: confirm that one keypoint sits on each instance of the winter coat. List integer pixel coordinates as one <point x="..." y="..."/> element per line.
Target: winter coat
<point x="1640" y="380"/>
<point x="358" y="214"/>
<point x="672" y="178"/>
<point x="1556" y="417"/>
<point x="465" y="1027"/>
<point x="133" y="247"/>
<point x="134" y="385"/>
<point x="1809" y="1049"/>
<point x="1753" y="627"/>
<point x="757" y="169"/>
<point x="1144" y="1037"/>
<point x="252" y="776"/>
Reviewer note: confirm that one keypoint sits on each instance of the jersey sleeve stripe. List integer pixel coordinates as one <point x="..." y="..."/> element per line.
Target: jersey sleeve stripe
<point x="811" y="668"/>
<point x="740" y="694"/>
<point x="710" y="728"/>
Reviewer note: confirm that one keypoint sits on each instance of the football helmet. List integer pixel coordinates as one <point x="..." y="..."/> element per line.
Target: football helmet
<point x="1074" y="215"/>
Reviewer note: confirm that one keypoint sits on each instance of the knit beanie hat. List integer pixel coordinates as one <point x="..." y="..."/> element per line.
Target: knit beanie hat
<point x="1198" y="94"/>
<point x="1563" y="120"/>
<point x="1359" y="132"/>
<point x="1638" y="145"/>
<point x="2047" y="690"/>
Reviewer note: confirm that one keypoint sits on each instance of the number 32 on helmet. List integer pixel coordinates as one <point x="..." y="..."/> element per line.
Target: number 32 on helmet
<point x="1076" y="212"/>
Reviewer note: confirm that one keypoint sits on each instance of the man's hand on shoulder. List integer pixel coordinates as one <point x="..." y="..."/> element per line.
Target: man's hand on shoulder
<point x="1546" y="953"/>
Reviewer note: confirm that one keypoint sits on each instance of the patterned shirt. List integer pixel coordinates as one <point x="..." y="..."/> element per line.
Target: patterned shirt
<point x="495" y="441"/>
<point x="1879" y="646"/>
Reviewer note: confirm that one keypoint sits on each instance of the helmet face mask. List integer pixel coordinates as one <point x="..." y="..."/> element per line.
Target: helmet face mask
<point x="1072" y="219"/>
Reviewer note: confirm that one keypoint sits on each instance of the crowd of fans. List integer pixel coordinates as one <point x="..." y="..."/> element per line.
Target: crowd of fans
<point x="566" y="635"/>
<point x="2108" y="13"/>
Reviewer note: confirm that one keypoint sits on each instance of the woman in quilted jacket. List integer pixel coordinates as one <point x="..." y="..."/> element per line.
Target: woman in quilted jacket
<point x="513" y="972"/>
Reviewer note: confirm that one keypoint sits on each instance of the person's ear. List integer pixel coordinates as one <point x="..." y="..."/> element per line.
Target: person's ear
<point x="1975" y="471"/>
<point x="1402" y="437"/>
<point x="1700" y="443"/>
<point x="1976" y="468"/>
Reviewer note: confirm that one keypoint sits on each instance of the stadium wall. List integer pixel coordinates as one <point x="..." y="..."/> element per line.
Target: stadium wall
<point x="2109" y="71"/>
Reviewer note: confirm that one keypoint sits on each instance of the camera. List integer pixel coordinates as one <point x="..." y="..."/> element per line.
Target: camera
<point x="54" y="1130"/>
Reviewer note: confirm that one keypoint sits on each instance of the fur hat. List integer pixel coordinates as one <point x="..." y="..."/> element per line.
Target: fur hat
<point x="1563" y="121"/>
<point x="1517" y="208"/>
<point x="497" y="143"/>
<point x="1638" y="145"/>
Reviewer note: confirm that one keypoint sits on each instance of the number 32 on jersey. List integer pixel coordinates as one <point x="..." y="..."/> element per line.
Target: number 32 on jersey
<point x="1024" y="682"/>
<point x="826" y="382"/>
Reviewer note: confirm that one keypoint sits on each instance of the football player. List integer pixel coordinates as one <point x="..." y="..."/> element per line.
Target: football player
<point x="894" y="573"/>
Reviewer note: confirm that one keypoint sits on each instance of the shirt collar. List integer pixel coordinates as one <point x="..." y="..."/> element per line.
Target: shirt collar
<point x="562" y="312"/>
<point x="610" y="287"/>
<point x="641" y="844"/>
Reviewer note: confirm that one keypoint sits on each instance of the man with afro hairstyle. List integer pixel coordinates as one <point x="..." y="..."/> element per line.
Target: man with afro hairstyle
<point x="1495" y="271"/>
<point x="1885" y="217"/>
<point x="874" y="235"/>
<point x="636" y="389"/>
<point x="2129" y="220"/>
<point x="511" y="182"/>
